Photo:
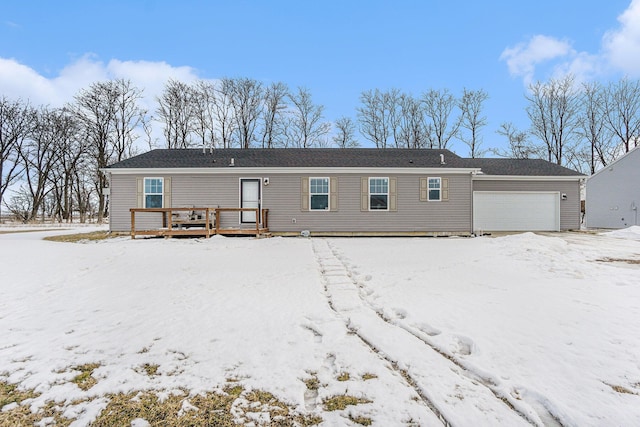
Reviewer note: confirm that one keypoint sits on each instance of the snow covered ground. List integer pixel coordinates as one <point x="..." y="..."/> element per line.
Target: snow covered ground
<point x="523" y="329"/>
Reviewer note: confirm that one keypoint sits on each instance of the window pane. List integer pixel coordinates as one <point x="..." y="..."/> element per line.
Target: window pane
<point x="319" y="202"/>
<point x="153" y="186"/>
<point x="153" y="201"/>
<point x="319" y="185"/>
<point x="378" y="185"/>
<point x="434" y="188"/>
<point x="378" y="202"/>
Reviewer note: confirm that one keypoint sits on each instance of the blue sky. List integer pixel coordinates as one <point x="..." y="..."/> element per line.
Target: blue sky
<point x="337" y="49"/>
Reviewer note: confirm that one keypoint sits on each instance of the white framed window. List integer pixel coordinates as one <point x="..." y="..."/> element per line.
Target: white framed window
<point x="435" y="189"/>
<point x="153" y="192"/>
<point x="319" y="194"/>
<point x="379" y="194"/>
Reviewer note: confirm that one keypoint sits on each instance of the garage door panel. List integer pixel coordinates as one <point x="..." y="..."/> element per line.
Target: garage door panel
<point x="516" y="211"/>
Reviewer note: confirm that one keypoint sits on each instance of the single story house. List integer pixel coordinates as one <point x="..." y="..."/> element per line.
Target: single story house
<point x="613" y="193"/>
<point x="355" y="191"/>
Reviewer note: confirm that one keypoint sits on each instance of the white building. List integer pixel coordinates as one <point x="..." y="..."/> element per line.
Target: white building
<point x="613" y="193"/>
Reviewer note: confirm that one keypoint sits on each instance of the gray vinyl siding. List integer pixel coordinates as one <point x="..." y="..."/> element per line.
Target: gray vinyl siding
<point x="569" y="208"/>
<point x="613" y="194"/>
<point x="186" y="190"/>
<point x="122" y="197"/>
<point x="283" y="199"/>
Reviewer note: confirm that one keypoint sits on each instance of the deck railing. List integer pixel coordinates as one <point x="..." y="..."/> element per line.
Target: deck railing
<point x="199" y="221"/>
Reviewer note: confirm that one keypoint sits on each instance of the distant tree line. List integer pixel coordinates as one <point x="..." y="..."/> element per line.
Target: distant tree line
<point x="57" y="155"/>
<point x="584" y="127"/>
<point x="240" y="113"/>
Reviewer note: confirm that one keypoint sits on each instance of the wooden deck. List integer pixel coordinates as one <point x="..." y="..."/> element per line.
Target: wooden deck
<point x="198" y="222"/>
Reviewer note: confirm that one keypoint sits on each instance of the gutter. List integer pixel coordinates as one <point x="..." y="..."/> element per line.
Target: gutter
<point x="285" y="170"/>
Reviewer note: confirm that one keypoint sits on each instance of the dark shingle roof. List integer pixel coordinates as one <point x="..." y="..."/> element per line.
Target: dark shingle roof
<point x="521" y="167"/>
<point x="337" y="158"/>
<point x="292" y="157"/>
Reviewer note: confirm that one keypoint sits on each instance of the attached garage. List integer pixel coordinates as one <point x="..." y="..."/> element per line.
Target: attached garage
<point x="516" y="211"/>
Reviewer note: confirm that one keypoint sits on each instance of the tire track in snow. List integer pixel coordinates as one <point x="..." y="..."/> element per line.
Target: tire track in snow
<point x="467" y="396"/>
<point x="333" y="269"/>
<point x="537" y="413"/>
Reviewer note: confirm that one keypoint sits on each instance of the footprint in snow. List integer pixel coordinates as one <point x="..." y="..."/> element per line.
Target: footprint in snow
<point x="428" y="329"/>
<point x="310" y="397"/>
<point x="463" y="346"/>
<point x="317" y="336"/>
<point x="400" y="313"/>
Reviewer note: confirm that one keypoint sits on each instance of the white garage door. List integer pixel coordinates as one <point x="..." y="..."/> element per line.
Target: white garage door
<point x="516" y="211"/>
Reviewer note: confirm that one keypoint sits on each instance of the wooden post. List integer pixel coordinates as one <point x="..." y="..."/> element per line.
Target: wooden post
<point x="206" y="223"/>
<point x="133" y="224"/>
<point x="217" y="221"/>
<point x="257" y="222"/>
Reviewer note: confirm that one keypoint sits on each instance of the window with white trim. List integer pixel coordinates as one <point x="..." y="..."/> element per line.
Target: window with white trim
<point x="153" y="192"/>
<point x="435" y="189"/>
<point x="319" y="194"/>
<point x="379" y="194"/>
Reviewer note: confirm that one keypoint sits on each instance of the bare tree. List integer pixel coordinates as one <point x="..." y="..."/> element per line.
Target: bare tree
<point x="17" y="119"/>
<point x="39" y="156"/>
<point x="472" y="119"/>
<point x="95" y="109"/>
<point x="306" y="127"/>
<point x="82" y="189"/>
<point x="519" y="144"/>
<point x="69" y="150"/>
<point x="176" y="112"/>
<point x="246" y="102"/>
<point x="147" y="128"/>
<point x="128" y="118"/>
<point x="392" y="102"/>
<point x="412" y="129"/>
<point x="345" y="133"/>
<point x="592" y="126"/>
<point x="223" y="113"/>
<point x="554" y="112"/>
<point x="273" y="115"/>
<point x="439" y="105"/>
<point x="622" y="112"/>
<point x="203" y="98"/>
<point x="374" y="116"/>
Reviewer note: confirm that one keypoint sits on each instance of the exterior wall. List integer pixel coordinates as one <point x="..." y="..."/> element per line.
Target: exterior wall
<point x="613" y="194"/>
<point x="283" y="199"/>
<point x="569" y="208"/>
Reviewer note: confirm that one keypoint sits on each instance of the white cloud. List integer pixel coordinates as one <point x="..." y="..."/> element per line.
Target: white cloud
<point x="621" y="46"/>
<point x="583" y="66"/>
<point x="20" y="81"/>
<point x="523" y="58"/>
<point x="149" y="76"/>
<point x="620" y="53"/>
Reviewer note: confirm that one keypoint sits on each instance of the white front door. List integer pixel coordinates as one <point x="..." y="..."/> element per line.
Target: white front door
<point x="249" y="198"/>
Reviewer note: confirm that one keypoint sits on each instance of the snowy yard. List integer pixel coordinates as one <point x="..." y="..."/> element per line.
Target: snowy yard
<point x="523" y="329"/>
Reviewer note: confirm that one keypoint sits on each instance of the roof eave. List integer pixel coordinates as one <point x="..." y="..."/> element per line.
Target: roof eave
<point x="483" y="177"/>
<point x="287" y="170"/>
